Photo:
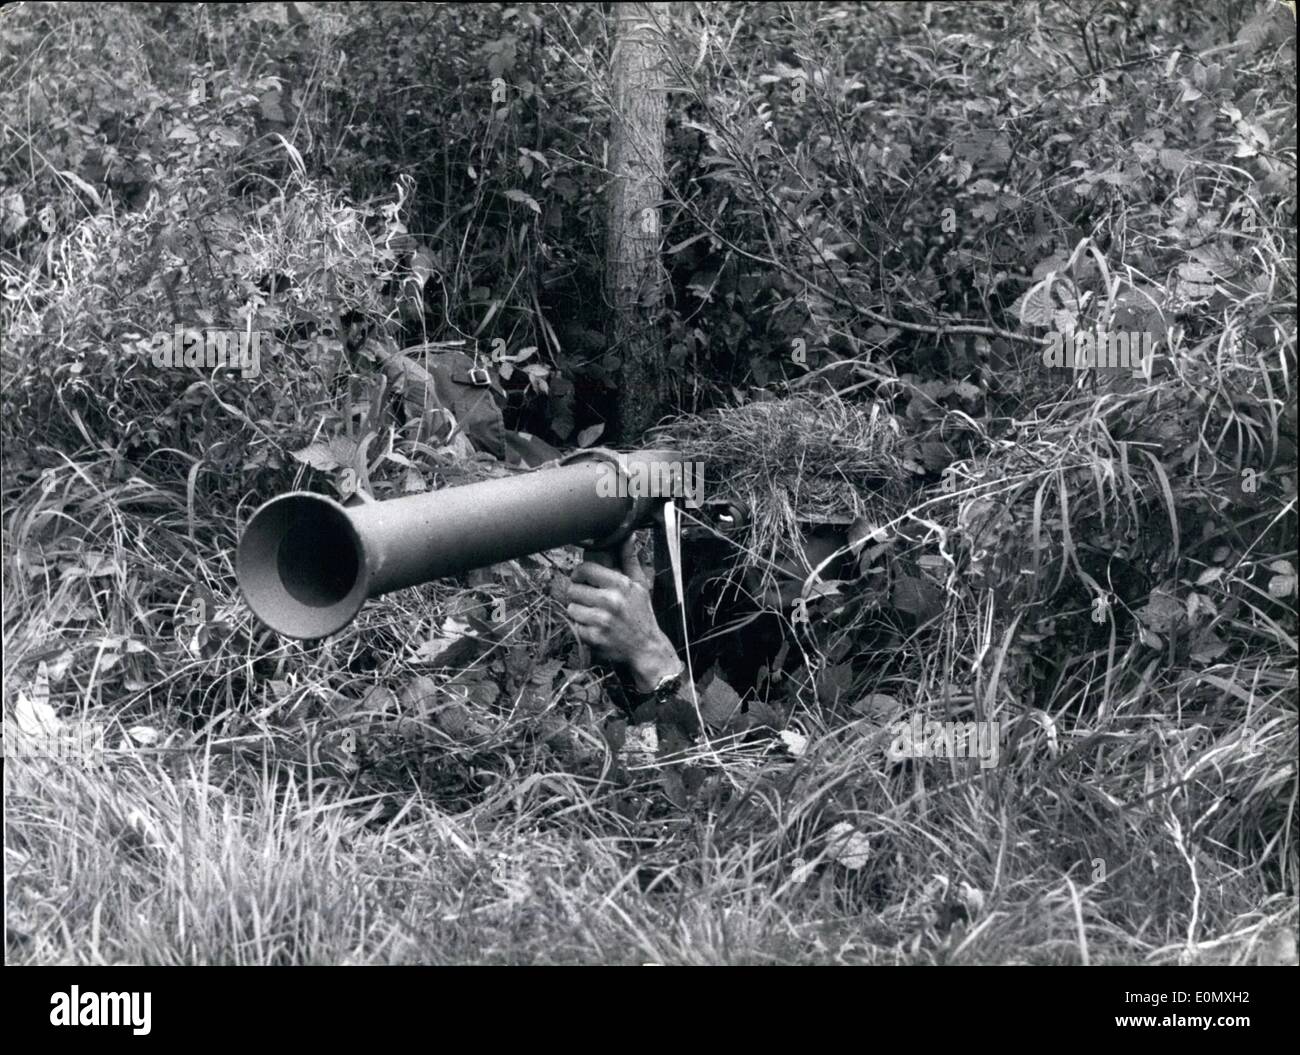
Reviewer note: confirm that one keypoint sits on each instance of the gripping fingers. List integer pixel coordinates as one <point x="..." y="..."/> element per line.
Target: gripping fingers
<point x="603" y="578"/>
<point x="590" y="624"/>
<point x="591" y="597"/>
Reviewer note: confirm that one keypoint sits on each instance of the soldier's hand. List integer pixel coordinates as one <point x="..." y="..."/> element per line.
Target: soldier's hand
<point x="609" y="603"/>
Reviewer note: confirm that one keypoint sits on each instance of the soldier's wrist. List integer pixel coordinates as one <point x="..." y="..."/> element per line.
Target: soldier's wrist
<point x="658" y="666"/>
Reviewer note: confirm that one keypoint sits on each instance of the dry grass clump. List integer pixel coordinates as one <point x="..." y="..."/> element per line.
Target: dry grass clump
<point x="795" y="463"/>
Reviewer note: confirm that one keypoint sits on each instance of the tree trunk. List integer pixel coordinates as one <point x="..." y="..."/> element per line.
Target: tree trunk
<point x="633" y="272"/>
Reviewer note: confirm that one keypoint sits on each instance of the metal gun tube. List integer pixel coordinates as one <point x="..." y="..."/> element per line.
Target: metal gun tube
<point x="306" y="564"/>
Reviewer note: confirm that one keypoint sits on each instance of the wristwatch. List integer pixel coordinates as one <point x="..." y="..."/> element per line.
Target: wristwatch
<point x="665" y="689"/>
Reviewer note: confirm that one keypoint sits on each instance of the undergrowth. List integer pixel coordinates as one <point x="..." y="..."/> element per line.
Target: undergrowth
<point x="1104" y="565"/>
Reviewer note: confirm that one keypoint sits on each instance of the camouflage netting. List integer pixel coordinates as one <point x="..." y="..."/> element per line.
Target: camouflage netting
<point x="796" y="463"/>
